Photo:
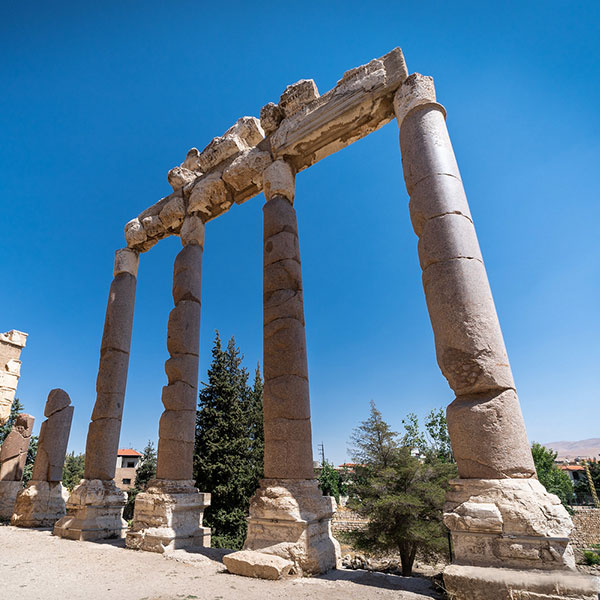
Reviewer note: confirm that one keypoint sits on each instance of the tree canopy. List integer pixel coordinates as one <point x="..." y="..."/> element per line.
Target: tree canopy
<point x="550" y="476"/>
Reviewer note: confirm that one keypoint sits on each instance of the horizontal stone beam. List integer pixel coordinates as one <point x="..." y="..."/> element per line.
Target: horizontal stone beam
<point x="302" y="129"/>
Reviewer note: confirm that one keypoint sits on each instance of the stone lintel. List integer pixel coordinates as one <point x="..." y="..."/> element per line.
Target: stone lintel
<point x="14" y="337"/>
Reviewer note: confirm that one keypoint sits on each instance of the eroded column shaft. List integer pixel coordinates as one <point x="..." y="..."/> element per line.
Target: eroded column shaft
<point x="105" y="429"/>
<point x="288" y="438"/>
<point x="179" y="397"/>
<point x="485" y="421"/>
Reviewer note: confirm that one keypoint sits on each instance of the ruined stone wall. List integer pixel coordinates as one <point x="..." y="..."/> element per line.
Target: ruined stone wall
<point x="587" y="527"/>
<point x="11" y="344"/>
<point x="346" y="520"/>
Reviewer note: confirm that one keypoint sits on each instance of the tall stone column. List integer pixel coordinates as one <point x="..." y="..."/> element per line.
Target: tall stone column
<point x="168" y="515"/>
<point x="43" y="500"/>
<point x="289" y="516"/>
<point x="11" y="344"/>
<point x="95" y="506"/>
<point x="13" y="455"/>
<point x="499" y="515"/>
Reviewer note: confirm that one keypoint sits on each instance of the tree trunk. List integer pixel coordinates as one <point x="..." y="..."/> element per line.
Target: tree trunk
<point x="408" y="550"/>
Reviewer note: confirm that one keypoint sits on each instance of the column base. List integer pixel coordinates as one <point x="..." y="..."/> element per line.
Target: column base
<point x="40" y="504"/>
<point x="168" y="516"/>
<point x="94" y="512"/>
<point x="486" y="583"/>
<point x="8" y="496"/>
<point x="509" y="523"/>
<point x="291" y="518"/>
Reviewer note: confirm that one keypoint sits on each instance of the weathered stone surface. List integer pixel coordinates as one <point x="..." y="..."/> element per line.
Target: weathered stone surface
<point x="192" y="231"/>
<point x="249" y="563"/>
<point x="529" y="528"/>
<point x="119" y="313"/>
<point x="279" y="180"/>
<point x="57" y="400"/>
<point x="134" y="233"/>
<point x="284" y="348"/>
<point x="288" y="397"/>
<point x="245" y="173"/>
<point x="285" y="303"/>
<point x="8" y="497"/>
<point x="469" y="345"/>
<point x="292" y="519"/>
<point x="112" y="373"/>
<point x="13" y="452"/>
<point x="488" y="436"/>
<point x="108" y="406"/>
<point x="52" y="443"/>
<point x="180" y="176"/>
<point x="175" y="459"/>
<point x="448" y="237"/>
<point x="192" y="161"/>
<point x="247" y="129"/>
<point x="168" y="516"/>
<point x="183" y="330"/>
<point x="40" y="504"/>
<point x="179" y="395"/>
<point x="281" y="246"/>
<point x="94" y="511"/>
<point x="11" y="344"/>
<point x="101" y="449"/>
<point x="297" y="95"/>
<point x="416" y="90"/>
<point x="126" y="261"/>
<point x="173" y="213"/>
<point x="270" y="117"/>
<point x="182" y="368"/>
<point x="359" y="104"/>
<point x="187" y="274"/>
<point x="288" y="459"/>
<point x="283" y="275"/>
<point x="209" y="197"/>
<point x="464" y="582"/>
<point x="177" y="425"/>
<point x="153" y="226"/>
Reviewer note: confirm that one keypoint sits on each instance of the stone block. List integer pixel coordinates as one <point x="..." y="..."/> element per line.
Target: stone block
<point x="52" y="446"/>
<point x="284" y="349"/>
<point x="283" y="275"/>
<point x="279" y="180"/>
<point x="209" y="193"/>
<point x="289" y="459"/>
<point x="180" y="176"/>
<point x="187" y="274"/>
<point x="426" y="146"/>
<point x="488" y="436"/>
<point x="135" y="233"/>
<point x="280" y="247"/>
<point x="119" y="313"/>
<point x="287" y="429"/>
<point x="175" y="459"/>
<point x="108" y="406"/>
<point x="153" y="226"/>
<point x="183" y="368"/>
<point x="417" y="90"/>
<point x="8" y="497"/>
<point x="279" y="215"/>
<point x="286" y="396"/>
<point x="256" y="564"/>
<point x="469" y="345"/>
<point x="281" y="304"/>
<point x="247" y="169"/>
<point x="180" y="396"/>
<point x="218" y="151"/>
<point x="13" y="452"/>
<point x="434" y="196"/>
<point x="247" y="129"/>
<point x="192" y="160"/>
<point x="57" y="400"/>
<point x="183" y="330"/>
<point x="177" y="425"/>
<point x="192" y="231"/>
<point x="297" y="95"/>
<point x="448" y="237"/>
<point x="40" y="504"/>
<point x="101" y="449"/>
<point x="270" y="117"/>
<point x="112" y="372"/>
<point x="126" y="261"/>
<point x="173" y="213"/>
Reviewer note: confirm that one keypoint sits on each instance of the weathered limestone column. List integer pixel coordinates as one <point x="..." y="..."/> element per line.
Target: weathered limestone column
<point x="95" y="506"/>
<point x="11" y="344"/>
<point x="168" y="515"/>
<point x="289" y="516"/>
<point x="497" y="511"/>
<point x="13" y="455"/>
<point x="43" y="500"/>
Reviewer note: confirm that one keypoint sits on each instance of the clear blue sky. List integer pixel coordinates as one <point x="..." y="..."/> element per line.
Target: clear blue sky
<point x="100" y="100"/>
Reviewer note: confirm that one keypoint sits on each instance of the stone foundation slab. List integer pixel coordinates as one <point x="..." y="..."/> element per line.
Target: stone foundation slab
<point x="94" y="512"/>
<point x="8" y="497"/>
<point x="291" y="518"/>
<point x="168" y="516"/>
<point x="40" y="504"/>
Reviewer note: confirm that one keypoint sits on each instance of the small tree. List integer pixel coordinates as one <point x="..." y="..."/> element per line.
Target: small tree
<point x="73" y="470"/>
<point x="31" y="454"/>
<point x="550" y="476"/>
<point x="331" y="482"/>
<point x="15" y="410"/>
<point x="144" y="473"/>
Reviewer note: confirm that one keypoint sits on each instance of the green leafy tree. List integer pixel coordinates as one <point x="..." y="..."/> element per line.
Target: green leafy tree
<point x="434" y="441"/>
<point x="401" y="495"/>
<point x="144" y="473"/>
<point x="228" y="455"/>
<point x="331" y="482"/>
<point x="73" y="470"/>
<point x="15" y="410"/>
<point x="31" y="454"/>
<point x="551" y="477"/>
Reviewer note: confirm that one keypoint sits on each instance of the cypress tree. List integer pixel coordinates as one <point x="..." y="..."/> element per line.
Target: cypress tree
<point x="229" y="444"/>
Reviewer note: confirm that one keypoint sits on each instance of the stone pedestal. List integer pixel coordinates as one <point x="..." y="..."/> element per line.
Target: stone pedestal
<point x="505" y="534"/>
<point x="40" y="504"/>
<point x="168" y="516"/>
<point x="292" y="519"/>
<point x="94" y="512"/>
<point x="8" y="497"/>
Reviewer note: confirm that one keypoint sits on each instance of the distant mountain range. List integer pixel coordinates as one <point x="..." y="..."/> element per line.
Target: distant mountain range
<point x="583" y="448"/>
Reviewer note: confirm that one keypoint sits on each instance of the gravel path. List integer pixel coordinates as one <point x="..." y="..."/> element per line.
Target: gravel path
<point x="35" y="565"/>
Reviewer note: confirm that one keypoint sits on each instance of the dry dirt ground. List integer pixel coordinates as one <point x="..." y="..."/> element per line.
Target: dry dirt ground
<point x="35" y="565"/>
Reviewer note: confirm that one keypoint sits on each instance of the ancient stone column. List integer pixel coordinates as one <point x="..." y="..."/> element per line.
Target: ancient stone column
<point x="168" y="515"/>
<point x="497" y="511"/>
<point x="13" y="455"/>
<point x="43" y="500"/>
<point x="95" y="506"/>
<point x="289" y="516"/>
<point x="11" y="344"/>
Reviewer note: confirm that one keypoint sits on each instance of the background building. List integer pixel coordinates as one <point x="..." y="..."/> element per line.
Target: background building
<point x="128" y="461"/>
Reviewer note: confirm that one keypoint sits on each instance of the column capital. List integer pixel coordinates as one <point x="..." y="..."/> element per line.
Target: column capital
<point x="192" y="231"/>
<point x="126" y="261"/>
<point x="417" y="90"/>
<point x="279" y="180"/>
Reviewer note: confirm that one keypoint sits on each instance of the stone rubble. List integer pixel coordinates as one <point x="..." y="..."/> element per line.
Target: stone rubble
<point x="257" y="564"/>
<point x="11" y="344"/>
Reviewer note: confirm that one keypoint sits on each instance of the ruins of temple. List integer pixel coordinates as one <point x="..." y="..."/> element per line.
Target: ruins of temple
<point x="510" y="537"/>
<point x="11" y="344"/>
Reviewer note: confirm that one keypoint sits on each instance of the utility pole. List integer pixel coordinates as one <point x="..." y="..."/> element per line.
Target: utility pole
<point x="322" y="451"/>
